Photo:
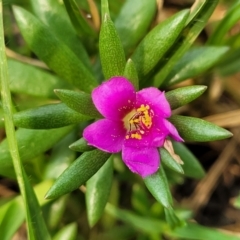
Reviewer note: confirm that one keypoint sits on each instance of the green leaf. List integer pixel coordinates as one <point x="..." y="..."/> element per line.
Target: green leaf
<point x="196" y="129"/>
<point x="157" y="42"/>
<point x="98" y="190"/>
<point x="57" y="211"/>
<point x="185" y="40"/>
<point x="110" y="47"/>
<point x="197" y="232"/>
<point x="81" y="145"/>
<point x="169" y="162"/>
<point x="230" y="64"/>
<point x="39" y="141"/>
<point x="157" y="184"/>
<point x="34" y="214"/>
<point x="39" y="82"/>
<point x="195" y="62"/>
<point x="184" y="95"/>
<point x="78" y="101"/>
<point x="12" y="212"/>
<point x="192" y="168"/>
<point x="134" y="20"/>
<point x="12" y="220"/>
<point x="68" y="232"/>
<point x="230" y="19"/>
<point x="58" y="22"/>
<point x="36" y="227"/>
<point x="172" y="219"/>
<point x="130" y="73"/>
<point x="61" y="157"/>
<point x="142" y="223"/>
<point x="140" y="200"/>
<point x="53" y="51"/>
<point x="78" y="21"/>
<point x="78" y="173"/>
<point x="48" y="116"/>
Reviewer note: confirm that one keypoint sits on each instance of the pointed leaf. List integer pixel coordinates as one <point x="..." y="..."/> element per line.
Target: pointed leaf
<point x="157" y="42"/>
<point x="12" y="220"/>
<point x="130" y="73"/>
<point x="61" y="157"/>
<point x="81" y="145"/>
<point x="186" y="39"/>
<point x="157" y="184"/>
<point x="98" y="190"/>
<point x="36" y="226"/>
<point x="78" y="101"/>
<point x="68" y="232"/>
<point x="197" y="232"/>
<point x="48" y="116"/>
<point x="229" y="20"/>
<point x="39" y="83"/>
<point x="78" y="173"/>
<point x="110" y="47"/>
<point x="39" y="141"/>
<point x="169" y="162"/>
<point x="78" y="21"/>
<point x="141" y="223"/>
<point x="172" y="219"/>
<point x="192" y="167"/>
<point x="182" y="96"/>
<point x="58" y="22"/>
<point x="195" y="62"/>
<point x="134" y="20"/>
<point x="196" y="129"/>
<point x="53" y="51"/>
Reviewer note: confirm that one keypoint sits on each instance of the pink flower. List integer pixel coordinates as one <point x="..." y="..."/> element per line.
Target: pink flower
<point x="135" y="122"/>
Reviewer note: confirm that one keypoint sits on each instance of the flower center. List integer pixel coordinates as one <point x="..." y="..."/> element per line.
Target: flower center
<point x="138" y="121"/>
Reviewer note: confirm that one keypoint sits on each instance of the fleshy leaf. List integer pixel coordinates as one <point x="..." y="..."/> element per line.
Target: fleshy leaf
<point x="78" y="101"/>
<point x="152" y="48"/>
<point x="39" y="140"/>
<point x="110" y="46"/>
<point x="78" y="21"/>
<point x="141" y="223"/>
<point x="186" y="39"/>
<point x="195" y="62"/>
<point x="98" y="190"/>
<point x="157" y="184"/>
<point x="195" y="129"/>
<point x="80" y="171"/>
<point x="134" y="20"/>
<point x="53" y="51"/>
<point x="81" y="145"/>
<point x="198" y="232"/>
<point x="68" y="232"/>
<point x="172" y="219"/>
<point x="61" y="157"/>
<point x="169" y="162"/>
<point x="192" y="168"/>
<point x="182" y="96"/>
<point x="130" y="73"/>
<point x="12" y="219"/>
<point x="229" y="20"/>
<point x="39" y="83"/>
<point x="58" y="22"/>
<point x="48" y="116"/>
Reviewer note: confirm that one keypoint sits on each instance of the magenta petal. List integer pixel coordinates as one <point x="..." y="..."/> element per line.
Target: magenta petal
<point x="106" y="135"/>
<point x="156" y="100"/>
<point x="143" y="161"/>
<point x="114" y="98"/>
<point x="172" y="131"/>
